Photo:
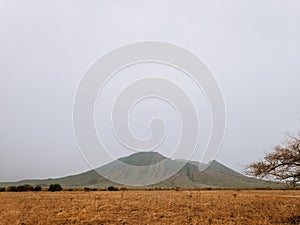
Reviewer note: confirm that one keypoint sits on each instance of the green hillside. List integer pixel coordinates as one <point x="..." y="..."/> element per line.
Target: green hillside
<point x="189" y="176"/>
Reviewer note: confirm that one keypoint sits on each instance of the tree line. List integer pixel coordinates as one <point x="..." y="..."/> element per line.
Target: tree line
<point x="52" y="187"/>
<point x="28" y="187"/>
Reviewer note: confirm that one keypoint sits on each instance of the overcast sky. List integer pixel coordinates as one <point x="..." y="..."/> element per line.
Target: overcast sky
<point x="252" y="48"/>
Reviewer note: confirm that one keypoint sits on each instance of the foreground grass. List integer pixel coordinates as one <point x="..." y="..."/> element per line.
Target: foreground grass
<point x="151" y="207"/>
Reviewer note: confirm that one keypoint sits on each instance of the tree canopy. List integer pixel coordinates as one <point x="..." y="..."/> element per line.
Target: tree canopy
<point x="55" y="187"/>
<point x="282" y="164"/>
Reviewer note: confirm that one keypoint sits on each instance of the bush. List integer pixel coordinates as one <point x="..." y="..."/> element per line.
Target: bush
<point x="25" y="187"/>
<point x="87" y="189"/>
<point x="12" y="189"/>
<point x="20" y="188"/>
<point x="2" y="189"/>
<point x="55" y="187"/>
<point x="37" y="188"/>
<point x="112" y="188"/>
<point x="94" y="189"/>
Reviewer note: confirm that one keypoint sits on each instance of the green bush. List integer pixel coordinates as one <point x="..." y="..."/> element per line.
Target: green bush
<point x="87" y="189"/>
<point x="94" y="189"/>
<point x="37" y="188"/>
<point x="55" y="187"/>
<point x="12" y="189"/>
<point x="112" y="188"/>
<point x="25" y="187"/>
<point x="2" y="189"/>
<point x="20" y="188"/>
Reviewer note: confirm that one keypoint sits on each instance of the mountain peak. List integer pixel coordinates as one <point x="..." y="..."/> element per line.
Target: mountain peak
<point x="142" y="158"/>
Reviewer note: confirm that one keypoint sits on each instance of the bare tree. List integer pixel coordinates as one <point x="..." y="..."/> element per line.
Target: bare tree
<point x="283" y="164"/>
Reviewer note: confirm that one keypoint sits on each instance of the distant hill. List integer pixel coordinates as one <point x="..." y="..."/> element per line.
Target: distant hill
<point x="189" y="176"/>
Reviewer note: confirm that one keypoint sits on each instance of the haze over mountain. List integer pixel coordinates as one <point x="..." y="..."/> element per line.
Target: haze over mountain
<point x="215" y="175"/>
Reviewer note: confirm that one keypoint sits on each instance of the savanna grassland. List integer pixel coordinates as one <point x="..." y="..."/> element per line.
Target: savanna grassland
<point x="151" y="207"/>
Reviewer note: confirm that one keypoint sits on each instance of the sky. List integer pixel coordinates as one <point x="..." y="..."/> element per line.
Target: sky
<point x="251" y="47"/>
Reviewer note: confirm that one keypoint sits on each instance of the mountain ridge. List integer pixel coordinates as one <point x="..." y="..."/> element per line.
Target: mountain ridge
<point x="215" y="175"/>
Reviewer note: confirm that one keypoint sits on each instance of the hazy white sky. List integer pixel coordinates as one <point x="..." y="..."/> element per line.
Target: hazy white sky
<point x="252" y="47"/>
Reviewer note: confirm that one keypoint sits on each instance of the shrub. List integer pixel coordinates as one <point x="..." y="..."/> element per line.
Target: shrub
<point x="20" y="188"/>
<point x="70" y="189"/>
<point x="94" y="189"/>
<point x="112" y="188"/>
<point x="2" y="189"/>
<point x="37" y="188"/>
<point x="55" y="187"/>
<point x="87" y="189"/>
<point x="12" y="189"/>
<point x="25" y="187"/>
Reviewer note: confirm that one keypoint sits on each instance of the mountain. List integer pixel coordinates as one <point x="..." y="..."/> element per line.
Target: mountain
<point x="152" y="165"/>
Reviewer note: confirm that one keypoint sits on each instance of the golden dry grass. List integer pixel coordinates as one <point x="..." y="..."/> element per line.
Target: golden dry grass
<point x="151" y="207"/>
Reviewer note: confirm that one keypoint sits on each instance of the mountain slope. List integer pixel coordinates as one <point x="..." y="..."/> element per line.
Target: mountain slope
<point x="185" y="174"/>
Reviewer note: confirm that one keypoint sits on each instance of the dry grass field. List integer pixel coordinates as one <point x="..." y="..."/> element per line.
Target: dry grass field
<point x="151" y="207"/>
